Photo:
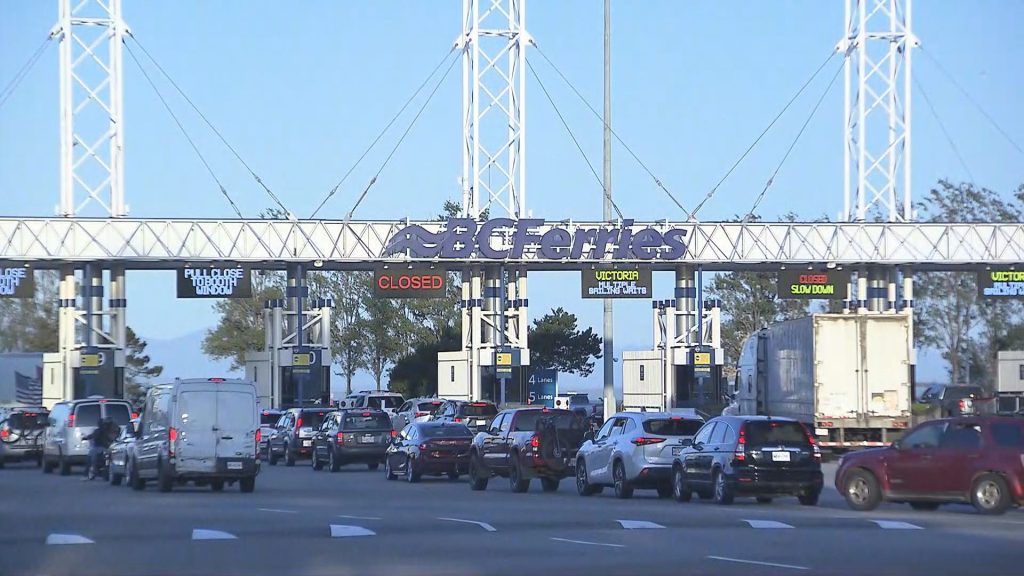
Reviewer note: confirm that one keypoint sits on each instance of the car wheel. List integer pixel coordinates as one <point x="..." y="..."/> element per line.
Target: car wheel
<point x="622" y="487"/>
<point x="315" y="462"/>
<point x="516" y="481"/>
<point x="65" y="466"/>
<point x="990" y="495"/>
<point x="387" y="471"/>
<point x="861" y="491"/>
<point x="764" y="500"/>
<point x="217" y="485"/>
<point x="133" y="477"/>
<point x="410" y="473"/>
<point x="924" y="505"/>
<point x="289" y="456"/>
<point x="583" y="485"/>
<point x="164" y="481"/>
<point x="477" y="480"/>
<point x="549" y="484"/>
<point x="332" y="462"/>
<point x="115" y="479"/>
<point x="723" y="493"/>
<point x="665" y="490"/>
<point x="271" y="455"/>
<point x="247" y="485"/>
<point x="373" y="465"/>
<point x="680" y="487"/>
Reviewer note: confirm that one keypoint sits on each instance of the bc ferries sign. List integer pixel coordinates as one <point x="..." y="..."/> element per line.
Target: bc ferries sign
<point x="507" y="239"/>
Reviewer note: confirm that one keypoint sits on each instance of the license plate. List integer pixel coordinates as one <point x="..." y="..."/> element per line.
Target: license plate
<point x="481" y="422"/>
<point x="677" y="450"/>
<point x="307" y="443"/>
<point x="367" y="438"/>
<point x="780" y="456"/>
<point x="234" y="465"/>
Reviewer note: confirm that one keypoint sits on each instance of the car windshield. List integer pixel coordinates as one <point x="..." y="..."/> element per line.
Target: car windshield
<point x="446" y="431"/>
<point x="672" y="426"/>
<point x="380" y="402"/>
<point x="763" y="433"/>
<point x="479" y="409"/>
<point x="366" y="421"/>
<point x="527" y="420"/>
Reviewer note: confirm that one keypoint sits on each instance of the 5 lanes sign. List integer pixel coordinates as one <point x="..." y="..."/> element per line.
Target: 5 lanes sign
<point x="409" y="284"/>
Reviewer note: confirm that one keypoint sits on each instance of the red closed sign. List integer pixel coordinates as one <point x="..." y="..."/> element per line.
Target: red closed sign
<point x="409" y="284"/>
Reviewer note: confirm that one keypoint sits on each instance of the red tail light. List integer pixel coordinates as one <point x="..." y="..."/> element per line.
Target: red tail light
<point x="740" y="454"/>
<point x="423" y="446"/>
<point x="394" y="433"/>
<point x="172" y="436"/>
<point x="479" y="404"/>
<point x="340" y="438"/>
<point x="647" y="440"/>
<point x="259" y="436"/>
<point x="535" y="441"/>
<point x="135" y="415"/>
<point x="71" y="421"/>
<point x="419" y="414"/>
<point x="814" y="444"/>
<point x="457" y="419"/>
<point x="5" y="434"/>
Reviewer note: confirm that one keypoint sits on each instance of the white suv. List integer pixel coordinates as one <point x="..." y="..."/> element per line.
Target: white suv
<point x="634" y="450"/>
<point x="386" y="401"/>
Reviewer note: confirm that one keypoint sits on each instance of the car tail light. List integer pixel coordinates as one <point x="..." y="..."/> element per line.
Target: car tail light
<point x="340" y="438"/>
<point x="420" y="414"/>
<point x="215" y="379"/>
<point x="5" y="434"/>
<point x="298" y="423"/>
<point x="479" y="404"/>
<point x="135" y="415"/>
<point x="365" y="414"/>
<point x="814" y="444"/>
<point x="71" y="421"/>
<point x="457" y="419"/>
<point x="740" y="454"/>
<point x="259" y="438"/>
<point x="423" y="446"/>
<point x="394" y="433"/>
<point x="647" y="440"/>
<point x="535" y="441"/>
<point x="172" y="436"/>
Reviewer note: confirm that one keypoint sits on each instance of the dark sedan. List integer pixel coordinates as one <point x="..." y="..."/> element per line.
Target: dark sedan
<point x="429" y="448"/>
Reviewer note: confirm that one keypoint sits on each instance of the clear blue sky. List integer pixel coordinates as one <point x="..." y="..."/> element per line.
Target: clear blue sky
<point x="300" y="88"/>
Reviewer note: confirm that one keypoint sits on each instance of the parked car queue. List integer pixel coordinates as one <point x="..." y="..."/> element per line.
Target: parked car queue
<point x="977" y="460"/>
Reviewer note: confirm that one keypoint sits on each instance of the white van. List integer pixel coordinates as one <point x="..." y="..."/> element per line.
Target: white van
<point x="206" y="431"/>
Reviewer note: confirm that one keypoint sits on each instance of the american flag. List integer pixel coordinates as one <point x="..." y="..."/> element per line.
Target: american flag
<point x="28" y="390"/>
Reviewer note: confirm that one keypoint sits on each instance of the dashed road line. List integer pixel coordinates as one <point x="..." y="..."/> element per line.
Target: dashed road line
<point x="343" y="531"/>
<point x="483" y="525"/>
<point x="896" y="525"/>
<point x="767" y="524"/>
<point x="358" y="517"/>
<point x="203" y="534"/>
<point x="68" y="539"/>
<point x="588" y="543"/>
<point x="277" y="511"/>
<point x="772" y="564"/>
<point x="638" y="524"/>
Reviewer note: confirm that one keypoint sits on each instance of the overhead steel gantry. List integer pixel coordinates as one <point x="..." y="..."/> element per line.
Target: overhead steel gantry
<point x="167" y="244"/>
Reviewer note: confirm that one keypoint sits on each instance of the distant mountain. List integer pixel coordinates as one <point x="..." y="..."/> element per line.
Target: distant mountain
<point x="183" y="357"/>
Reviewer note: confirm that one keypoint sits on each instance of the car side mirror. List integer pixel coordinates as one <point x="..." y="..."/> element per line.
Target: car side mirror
<point x="698" y="446"/>
<point x="687" y="441"/>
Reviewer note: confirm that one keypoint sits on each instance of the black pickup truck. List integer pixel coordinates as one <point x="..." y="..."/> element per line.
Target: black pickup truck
<point x="527" y="443"/>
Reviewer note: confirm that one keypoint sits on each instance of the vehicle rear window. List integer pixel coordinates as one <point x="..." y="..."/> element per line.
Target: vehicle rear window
<point x="87" y="415"/>
<point x="527" y="420"/>
<point x="446" y="431"/>
<point x="121" y="414"/>
<point x="957" y="392"/>
<point x="479" y="410"/>
<point x="27" y="420"/>
<point x="672" y="427"/>
<point x="269" y="418"/>
<point x="235" y="411"/>
<point x="356" y="421"/>
<point x="763" y="433"/>
<point x="313" y="419"/>
<point x="379" y="402"/>
<point x="1008" y="435"/>
<point x="428" y="407"/>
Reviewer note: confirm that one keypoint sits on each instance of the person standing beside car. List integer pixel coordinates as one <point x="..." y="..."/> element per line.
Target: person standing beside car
<point x="102" y="437"/>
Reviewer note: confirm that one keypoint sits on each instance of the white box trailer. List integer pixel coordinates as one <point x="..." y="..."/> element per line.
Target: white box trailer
<point x="848" y="377"/>
<point x="643" y="385"/>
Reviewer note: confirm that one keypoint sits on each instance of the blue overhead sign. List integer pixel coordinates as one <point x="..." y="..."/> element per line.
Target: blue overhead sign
<point x="543" y="385"/>
<point x="465" y="238"/>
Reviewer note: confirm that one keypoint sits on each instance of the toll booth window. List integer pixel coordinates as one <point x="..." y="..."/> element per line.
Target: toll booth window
<point x="641" y="372"/>
<point x="1020" y="369"/>
<point x="453" y="372"/>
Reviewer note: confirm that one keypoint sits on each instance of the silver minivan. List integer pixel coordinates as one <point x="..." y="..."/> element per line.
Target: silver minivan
<point x="201" y="430"/>
<point x="64" y="443"/>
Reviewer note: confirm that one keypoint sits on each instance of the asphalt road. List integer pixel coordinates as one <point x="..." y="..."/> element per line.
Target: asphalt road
<point x="354" y="522"/>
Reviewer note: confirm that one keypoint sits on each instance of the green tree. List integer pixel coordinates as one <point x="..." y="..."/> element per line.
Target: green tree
<point x="556" y="342"/>
<point x="386" y="330"/>
<point x="750" y="301"/>
<point x="30" y="324"/>
<point x="138" y="368"/>
<point x="241" y="328"/>
<point x="415" y="374"/>
<point x="349" y="291"/>
<point x="967" y="330"/>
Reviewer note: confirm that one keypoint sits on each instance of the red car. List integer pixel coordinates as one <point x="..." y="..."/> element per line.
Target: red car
<point x="977" y="460"/>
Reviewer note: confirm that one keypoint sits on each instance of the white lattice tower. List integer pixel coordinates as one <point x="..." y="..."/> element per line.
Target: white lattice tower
<point x="91" y="34"/>
<point x="876" y="110"/>
<point x="493" y="44"/>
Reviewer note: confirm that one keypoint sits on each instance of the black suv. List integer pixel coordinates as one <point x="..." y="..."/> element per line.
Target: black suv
<point x="293" y="436"/>
<point x="352" y="436"/>
<point x="757" y="456"/>
<point x="954" y="400"/>
<point x="477" y="416"/>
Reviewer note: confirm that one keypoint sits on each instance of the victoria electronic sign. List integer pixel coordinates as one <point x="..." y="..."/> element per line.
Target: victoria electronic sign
<point x="230" y="282"/>
<point x="616" y="283"/>
<point x="813" y="285"/>
<point x="17" y="283"/>
<point x="410" y="283"/>
<point x="1001" y="284"/>
<point x="465" y="238"/>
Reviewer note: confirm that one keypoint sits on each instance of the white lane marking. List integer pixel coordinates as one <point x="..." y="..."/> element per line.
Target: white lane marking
<point x="201" y="534"/>
<point x="638" y="524"/>
<point x="342" y="531"/>
<point x="767" y="524"/>
<point x="483" y="525"/>
<point x="68" y="539"/>
<point x="896" y="525"/>
<point x="588" y="543"/>
<point x="276" y="510"/>
<point x="358" y="517"/>
<point x="773" y="564"/>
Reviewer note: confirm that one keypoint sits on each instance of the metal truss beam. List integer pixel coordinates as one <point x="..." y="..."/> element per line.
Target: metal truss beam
<point x="166" y="244"/>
